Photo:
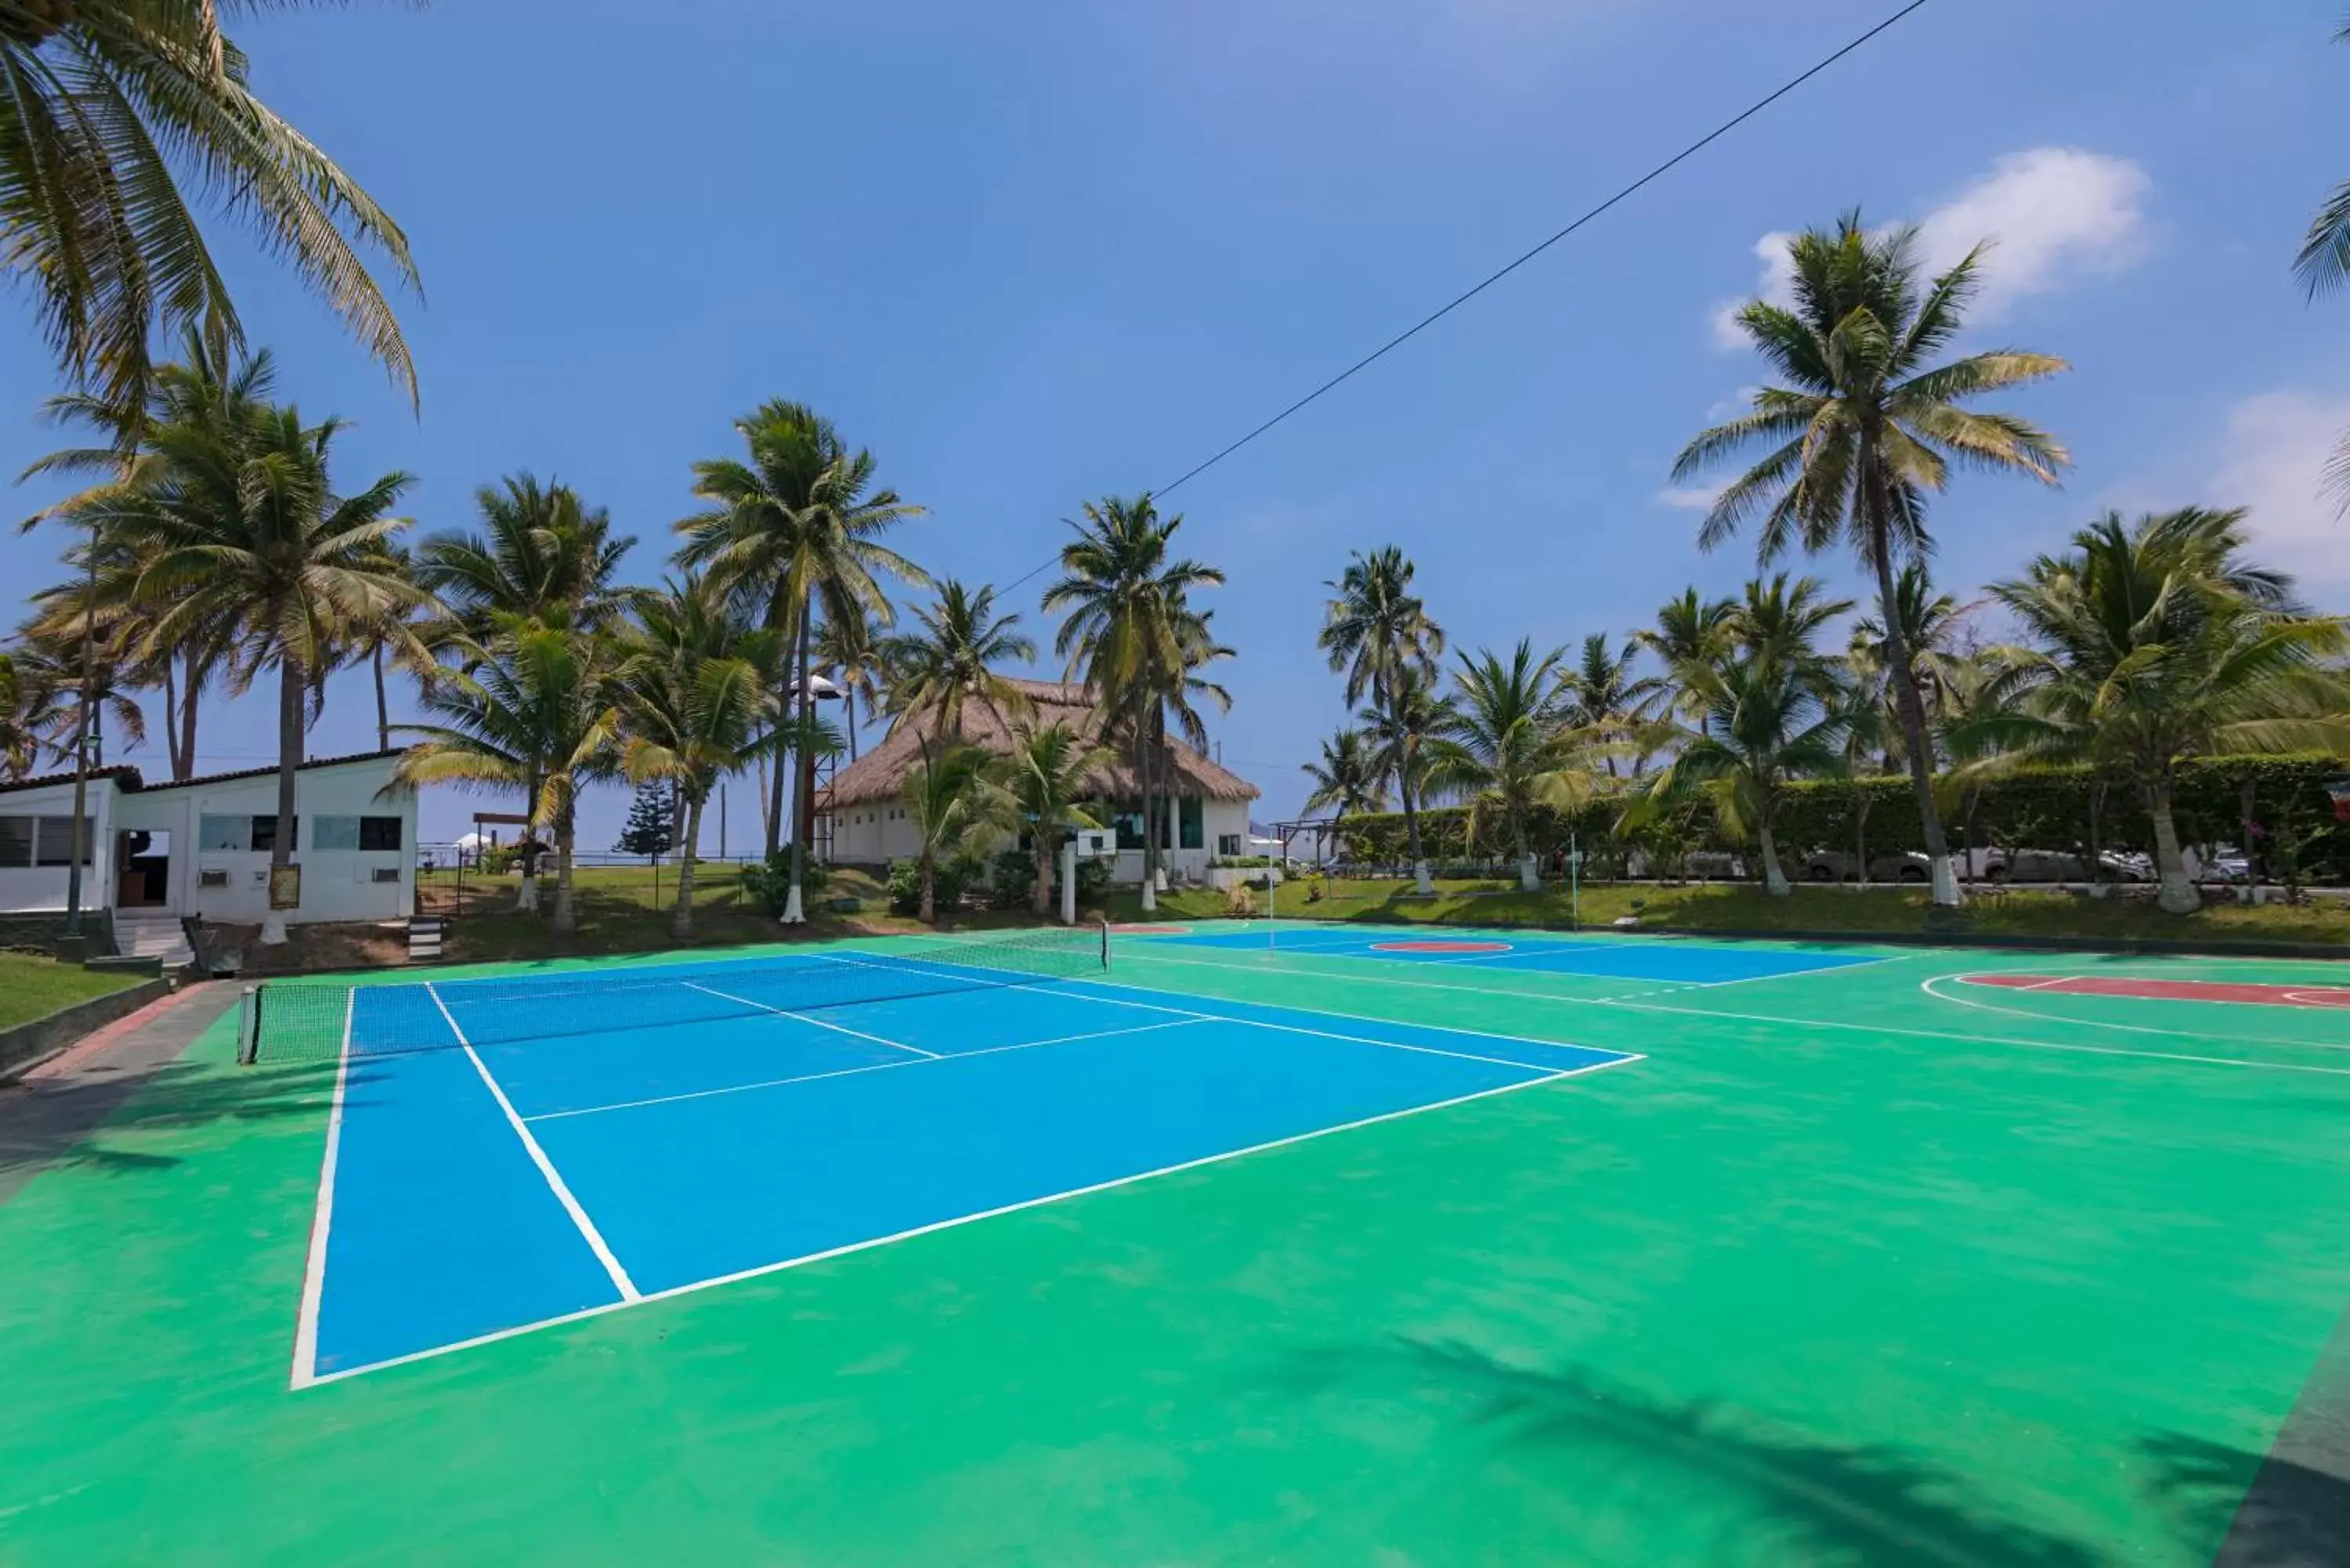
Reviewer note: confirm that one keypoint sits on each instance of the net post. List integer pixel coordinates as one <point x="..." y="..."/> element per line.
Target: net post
<point x="1104" y="941"/>
<point x="248" y="1026"/>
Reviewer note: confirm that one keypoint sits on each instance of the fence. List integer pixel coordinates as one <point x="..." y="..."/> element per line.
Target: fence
<point x="452" y="879"/>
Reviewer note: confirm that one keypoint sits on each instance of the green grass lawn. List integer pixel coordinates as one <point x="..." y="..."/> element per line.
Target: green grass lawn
<point x="33" y="988"/>
<point x="1731" y="908"/>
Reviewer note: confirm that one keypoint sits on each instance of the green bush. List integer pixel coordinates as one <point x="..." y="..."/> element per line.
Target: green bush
<point x="1011" y="879"/>
<point x="948" y="884"/>
<point x="769" y="886"/>
<point x="1093" y="881"/>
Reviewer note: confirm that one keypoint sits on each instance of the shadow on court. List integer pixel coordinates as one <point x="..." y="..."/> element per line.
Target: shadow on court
<point x="2271" y="1512"/>
<point x="1805" y="1500"/>
<point x="67" y="1123"/>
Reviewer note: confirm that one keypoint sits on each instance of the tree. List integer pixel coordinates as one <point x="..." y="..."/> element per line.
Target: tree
<point x="651" y="828"/>
<point x="1377" y="631"/>
<point x="18" y="744"/>
<point x="936" y="671"/>
<point x="1867" y="429"/>
<point x="956" y="807"/>
<point x="1131" y="633"/>
<point x="2152" y="642"/>
<point x="1603" y="698"/>
<point x="248" y="533"/>
<point x="102" y="98"/>
<point x="2323" y="266"/>
<point x="1781" y="621"/>
<point x="691" y="711"/>
<point x="541" y="553"/>
<point x="849" y="652"/>
<point x="1693" y="633"/>
<point x="1769" y="721"/>
<point x="1348" y="779"/>
<point x="1506" y="744"/>
<point x="794" y="528"/>
<point x="536" y="712"/>
<point x="1402" y="732"/>
<point x="1049" y="768"/>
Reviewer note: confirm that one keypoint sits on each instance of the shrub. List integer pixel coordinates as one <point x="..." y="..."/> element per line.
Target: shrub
<point x="948" y="884"/>
<point x="1011" y="879"/>
<point x="769" y="886"/>
<point x="1093" y="881"/>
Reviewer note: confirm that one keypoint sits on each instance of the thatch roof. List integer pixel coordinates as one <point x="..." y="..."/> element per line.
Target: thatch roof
<point x="881" y="773"/>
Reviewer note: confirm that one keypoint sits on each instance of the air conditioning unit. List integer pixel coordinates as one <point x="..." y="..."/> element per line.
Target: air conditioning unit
<point x="385" y="874"/>
<point x="212" y="878"/>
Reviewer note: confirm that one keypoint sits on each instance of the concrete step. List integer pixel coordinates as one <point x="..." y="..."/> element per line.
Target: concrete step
<point x="153" y="936"/>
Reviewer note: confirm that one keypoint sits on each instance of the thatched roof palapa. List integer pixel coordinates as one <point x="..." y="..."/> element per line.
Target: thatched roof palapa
<point x="879" y="774"/>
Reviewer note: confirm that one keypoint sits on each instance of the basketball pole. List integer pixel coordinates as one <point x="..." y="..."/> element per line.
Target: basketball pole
<point x="1069" y="883"/>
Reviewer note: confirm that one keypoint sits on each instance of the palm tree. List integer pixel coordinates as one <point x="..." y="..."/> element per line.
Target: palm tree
<point x="1768" y="721"/>
<point x="1130" y="633"/>
<point x="541" y="553"/>
<point x="1507" y="745"/>
<point x="956" y="807"/>
<point x="1693" y="633"/>
<point x="248" y="533"/>
<point x="2324" y="265"/>
<point x="1377" y="630"/>
<point x="1604" y="697"/>
<point x="949" y="662"/>
<point x="1047" y="772"/>
<point x="534" y="711"/>
<point x="2152" y="642"/>
<point x="1783" y="620"/>
<point x="18" y="744"/>
<point x="691" y="710"/>
<point x="1349" y="778"/>
<point x="794" y="528"/>
<point x="849" y="652"/>
<point x="1402" y="733"/>
<point x="102" y="99"/>
<point x="1867" y="428"/>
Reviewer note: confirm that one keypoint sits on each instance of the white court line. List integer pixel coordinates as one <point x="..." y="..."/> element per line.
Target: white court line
<point x="853" y="1072"/>
<point x="1498" y="959"/>
<point x="322" y="1221"/>
<point x="1832" y="1024"/>
<point x="2037" y="984"/>
<point x="804" y="1018"/>
<point x="588" y="1231"/>
<point x="1927" y="987"/>
<point x="1536" y="1082"/>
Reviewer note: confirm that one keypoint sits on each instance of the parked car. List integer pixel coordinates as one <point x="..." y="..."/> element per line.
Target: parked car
<point x="2026" y="864"/>
<point x="1835" y="865"/>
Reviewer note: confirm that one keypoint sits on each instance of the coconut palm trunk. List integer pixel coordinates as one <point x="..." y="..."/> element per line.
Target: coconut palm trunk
<point x="1909" y="706"/>
<point x="567" y="833"/>
<point x="680" y="919"/>
<point x="1775" y="876"/>
<point x="1421" y="879"/>
<point x="290" y="687"/>
<point x="793" y="914"/>
<point x="382" y="707"/>
<point x="527" y="900"/>
<point x="1043" y="902"/>
<point x="2177" y="895"/>
<point x="185" y="766"/>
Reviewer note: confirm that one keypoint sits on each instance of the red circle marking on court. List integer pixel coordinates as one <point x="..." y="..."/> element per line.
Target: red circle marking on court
<point x="1439" y="947"/>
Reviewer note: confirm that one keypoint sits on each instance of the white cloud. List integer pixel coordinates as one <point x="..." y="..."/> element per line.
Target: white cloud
<point x="1692" y="498"/>
<point x="2053" y="215"/>
<point x="1741" y="401"/>
<point x="2277" y="445"/>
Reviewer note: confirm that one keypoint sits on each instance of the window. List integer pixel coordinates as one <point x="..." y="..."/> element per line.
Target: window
<point x="264" y="830"/>
<point x="225" y="833"/>
<point x="15" y="842"/>
<point x="55" y="846"/>
<point x="362" y="833"/>
<point x="1189" y="824"/>
<point x="1127" y="820"/>
<point x="1228" y="844"/>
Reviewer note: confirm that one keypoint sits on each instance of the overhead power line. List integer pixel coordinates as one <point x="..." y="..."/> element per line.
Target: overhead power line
<point x="1457" y="301"/>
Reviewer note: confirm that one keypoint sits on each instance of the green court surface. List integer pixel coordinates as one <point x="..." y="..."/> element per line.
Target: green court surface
<point x="1857" y="1266"/>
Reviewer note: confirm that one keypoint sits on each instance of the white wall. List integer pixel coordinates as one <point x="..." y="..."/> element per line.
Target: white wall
<point x="874" y="835"/>
<point x="337" y="884"/>
<point x="41" y="889"/>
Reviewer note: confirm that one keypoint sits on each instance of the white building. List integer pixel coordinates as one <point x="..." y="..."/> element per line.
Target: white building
<point x="1202" y="810"/>
<point x="201" y="847"/>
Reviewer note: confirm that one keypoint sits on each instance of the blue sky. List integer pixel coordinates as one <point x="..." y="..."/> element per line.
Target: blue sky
<point x="1031" y="255"/>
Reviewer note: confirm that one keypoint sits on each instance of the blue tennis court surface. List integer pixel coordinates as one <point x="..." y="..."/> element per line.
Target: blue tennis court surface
<point x="508" y="1152"/>
<point x="1639" y="958"/>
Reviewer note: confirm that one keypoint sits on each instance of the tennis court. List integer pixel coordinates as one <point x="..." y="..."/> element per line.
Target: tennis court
<point x="1259" y="1242"/>
<point x="508" y="1153"/>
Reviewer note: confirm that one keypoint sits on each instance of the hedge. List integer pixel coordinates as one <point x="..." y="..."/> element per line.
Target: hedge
<point x="2038" y="807"/>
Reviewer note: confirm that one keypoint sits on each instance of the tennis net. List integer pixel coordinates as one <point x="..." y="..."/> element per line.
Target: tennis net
<point x="314" y="1021"/>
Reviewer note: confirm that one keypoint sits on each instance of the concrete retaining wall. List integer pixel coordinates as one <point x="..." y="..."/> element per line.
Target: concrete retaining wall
<point x="29" y="1043"/>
